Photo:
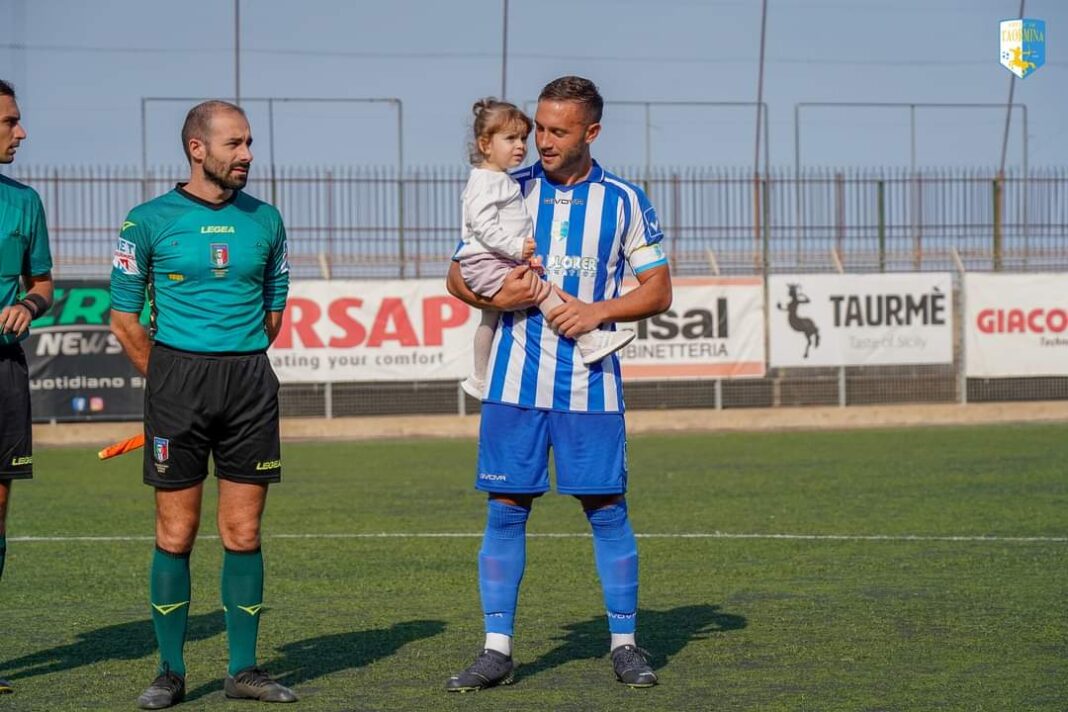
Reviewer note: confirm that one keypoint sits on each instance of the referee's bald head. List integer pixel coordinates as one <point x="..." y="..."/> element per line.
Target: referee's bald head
<point x="198" y="121"/>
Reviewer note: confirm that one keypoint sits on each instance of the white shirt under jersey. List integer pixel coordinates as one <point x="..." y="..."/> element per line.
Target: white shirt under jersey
<point x="586" y="234"/>
<point x="495" y="218"/>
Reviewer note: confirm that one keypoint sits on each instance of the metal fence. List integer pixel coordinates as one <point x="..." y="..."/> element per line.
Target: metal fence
<point x="368" y="222"/>
<point x="365" y="222"/>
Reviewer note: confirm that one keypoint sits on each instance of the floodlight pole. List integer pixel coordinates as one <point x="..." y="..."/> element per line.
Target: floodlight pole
<point x="504" y="54"/>
<point x="758" y="203"/>
<point x="237" y="52"/>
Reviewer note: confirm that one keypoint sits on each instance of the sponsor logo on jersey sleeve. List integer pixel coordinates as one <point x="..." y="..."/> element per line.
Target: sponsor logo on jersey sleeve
<point x="125" y="259"/>
<point x="652" y="223"/>
<point x="284" y="267"/>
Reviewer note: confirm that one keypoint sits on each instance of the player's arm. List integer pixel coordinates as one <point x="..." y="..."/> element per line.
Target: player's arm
<point x="16" y="318"/>
<point x="519" y="290"/>
<point x="645" y="255"/>
<point x="129" y="276"/>
<point x="276" y="283"/>
<point x="651" y="297"/>
<point x="36" y="277"/>
<point x="272" y="322"/>
<point x="134" y="338"/>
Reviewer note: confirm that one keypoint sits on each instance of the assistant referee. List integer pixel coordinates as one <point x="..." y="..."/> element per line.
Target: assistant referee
<point x="25" y="260"/>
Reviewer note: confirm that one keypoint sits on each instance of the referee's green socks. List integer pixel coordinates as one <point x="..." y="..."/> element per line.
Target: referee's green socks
<point x="169" y="590"/>
<point x="242" y="597"/>
<point x="3" y="553"/>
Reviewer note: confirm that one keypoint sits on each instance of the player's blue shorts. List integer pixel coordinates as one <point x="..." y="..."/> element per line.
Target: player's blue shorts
<point x="589" y="451"/>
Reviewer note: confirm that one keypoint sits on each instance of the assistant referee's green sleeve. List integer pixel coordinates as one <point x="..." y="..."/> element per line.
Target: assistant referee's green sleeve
<point x="39" y="255"/>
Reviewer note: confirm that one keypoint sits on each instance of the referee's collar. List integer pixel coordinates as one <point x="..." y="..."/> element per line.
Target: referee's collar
<point x="180" y="188"/>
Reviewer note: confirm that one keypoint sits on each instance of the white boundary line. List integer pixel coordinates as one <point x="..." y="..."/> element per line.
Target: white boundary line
<point x="561" y="535"/>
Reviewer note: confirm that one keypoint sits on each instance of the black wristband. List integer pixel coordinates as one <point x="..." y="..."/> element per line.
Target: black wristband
<point x="35" y="303"/>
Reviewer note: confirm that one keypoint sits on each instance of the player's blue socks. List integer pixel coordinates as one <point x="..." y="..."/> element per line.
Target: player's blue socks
<point x="500" y="564"/>
<point x="616" y="551"/>
<point x="3" y="553"/>
<point x="242" y="596"/>
<point x="169" y="593"/>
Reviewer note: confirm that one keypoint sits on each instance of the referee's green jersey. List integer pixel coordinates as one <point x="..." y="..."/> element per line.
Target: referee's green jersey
<point x="211" y="271"/>
<point x="23" y="242"/>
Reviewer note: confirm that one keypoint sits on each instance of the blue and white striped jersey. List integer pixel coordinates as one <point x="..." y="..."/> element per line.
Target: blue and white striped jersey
<point x="586" y="235"/>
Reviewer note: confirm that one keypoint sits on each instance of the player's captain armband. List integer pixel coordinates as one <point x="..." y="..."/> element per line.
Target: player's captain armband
<point x="125" y="257"/>
<point x="647" y="257"/>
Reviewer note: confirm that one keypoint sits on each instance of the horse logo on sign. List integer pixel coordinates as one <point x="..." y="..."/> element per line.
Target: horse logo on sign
<point x="1023" y="46"/>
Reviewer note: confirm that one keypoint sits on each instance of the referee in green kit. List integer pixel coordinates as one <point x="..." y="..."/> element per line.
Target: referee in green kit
<point x="213" y="261"/>
<point x="24" y="255"/>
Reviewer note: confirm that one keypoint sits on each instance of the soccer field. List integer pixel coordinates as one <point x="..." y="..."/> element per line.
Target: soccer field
<point x="921" y="569"/>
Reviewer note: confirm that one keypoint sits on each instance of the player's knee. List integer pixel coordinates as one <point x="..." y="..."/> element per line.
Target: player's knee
<point x="591" y="502"/>
<point x="240" y="536"/>
<point x="611" y="523"/>
<point x="526" y="501"/>
<point x="176" y="537"/>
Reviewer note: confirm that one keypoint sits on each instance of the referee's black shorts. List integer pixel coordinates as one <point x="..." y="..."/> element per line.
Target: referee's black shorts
<point x="200" y="404"/>
<point x="16" y="435"/>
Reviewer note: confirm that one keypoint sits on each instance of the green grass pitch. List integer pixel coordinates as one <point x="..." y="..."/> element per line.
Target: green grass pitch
<point x="840" y="622"/>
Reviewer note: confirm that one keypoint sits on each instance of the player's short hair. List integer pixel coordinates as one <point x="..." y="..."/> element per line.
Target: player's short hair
<point x="492" y="116"/>
<point x="6" y="89"/>
<point x="198" y="121"/>
<point x="576" y="89"/>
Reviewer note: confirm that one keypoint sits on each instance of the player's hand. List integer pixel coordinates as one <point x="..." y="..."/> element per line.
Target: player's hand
<point x="574" y="317"/>
<point x="536" y="266"/>
<point x="519" y="291"/>
<point x="15" y="319"/>
<point x="528" y="248"/>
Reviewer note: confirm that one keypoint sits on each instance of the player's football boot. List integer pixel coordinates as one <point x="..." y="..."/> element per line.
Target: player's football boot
<point x="595" y="345"/>
<point x="631" y="665"/>
<point x="165" y="691"/>
<point x="6" y="688"/>
<point x="255" y="684"/>
<point x="490" y="668"/>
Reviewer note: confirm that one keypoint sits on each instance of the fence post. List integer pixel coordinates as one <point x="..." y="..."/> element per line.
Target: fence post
<point x="55" y="211"/>
<point x="839" y="215"/>
<point x="917" y="220"/>
<point x="766" y="209"/>
<point x="962" y="374"/>
<point x="881" y="198"/>
<point x="997" y="246"/>
<point x="839" y="267"/>
<point x="400" y="219"/>
<point x="330" y="227"/>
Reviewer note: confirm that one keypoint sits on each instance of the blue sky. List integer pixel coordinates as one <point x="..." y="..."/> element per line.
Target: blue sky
<point x="83" y="67"/>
